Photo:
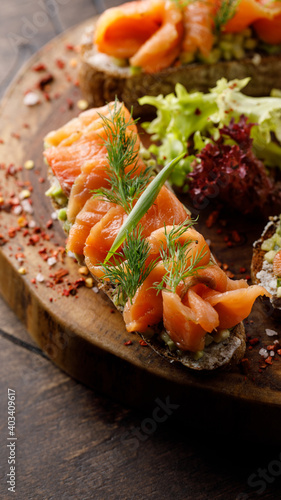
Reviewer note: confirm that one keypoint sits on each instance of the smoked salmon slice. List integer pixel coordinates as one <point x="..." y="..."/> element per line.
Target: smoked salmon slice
<point x="81" y="140"/>
<point x="235" y="305"/>
<point x="165" y="208"/>
<point x="269" y="31"/>
<point x="198" y="18"/>
<point x="164" y="46"/>
<point x="146" y="308"/>
<point x="92" y="212"/>
<point x="181" y="323"/>
<point x="122" y="30"/>
<point x="249" y="11"/>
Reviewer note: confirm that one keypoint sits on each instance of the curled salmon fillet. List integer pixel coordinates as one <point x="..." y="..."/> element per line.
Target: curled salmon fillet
<point x="148" y="33"/>
<point x="269" y="30"/>
<point x="249" y="11"/>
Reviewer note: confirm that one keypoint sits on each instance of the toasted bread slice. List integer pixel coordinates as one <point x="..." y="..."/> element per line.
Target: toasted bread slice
<point x="101" y="79"/>
<point x="262" y="274"/>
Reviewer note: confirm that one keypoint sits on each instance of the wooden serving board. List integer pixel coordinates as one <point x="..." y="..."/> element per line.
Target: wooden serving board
<point x="82" y="333"/>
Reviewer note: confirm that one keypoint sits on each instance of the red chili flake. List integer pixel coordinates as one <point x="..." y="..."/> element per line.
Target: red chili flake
<point x="242" y="270"/>
<point x="212" y="218"/>
<point x="197" y="112"/>
<point x="268" y="360"/>
<point x="41" y="180"/>
<point x="271" y="347"/>
<point x="236" y="236"/>
<point x="279" y="352"/>
<point x="254" y="341"/>
<point x="33" y="280"/>
<point x="26" y="125"/>
<point x="2" y="240"/>
<point x="39" y="67"/>
<point x="33" y="239"/>
<point x="245" y="365"/>
<point x="112" y="311"/>
<point x="250" y="347"/>
<point x="51" y="299"/>
<point x="69" y="46"/>
<point x="68" y="78"/>
<point x="248" y="277"/>
<point x="226" y="238"/>
<point x="229" y="244"/>
<point x="15" y="135"/>
<point x="45" y="81"/>
<point x="79" y="282"/>
<point x="129" y="342"/>
<point x="60" y="63"/>
<point x="225" y="267"/>
<point x="58" y="275"/>
<point x="47" y="96"/>
<point x="76" y="83"/>
<point x="49" y="224"/>
<point x="12" y="232"/>
<point x="1" y="141"/>
<point x="142" y="343"/>
<point x="70" y="103"/>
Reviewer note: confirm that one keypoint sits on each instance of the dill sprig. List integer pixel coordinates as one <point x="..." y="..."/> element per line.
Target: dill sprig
<point x="125" y="187"/>
<point x="225" y="12"/>
<point x="175" y="255"/>
<point x="129" y="275"/>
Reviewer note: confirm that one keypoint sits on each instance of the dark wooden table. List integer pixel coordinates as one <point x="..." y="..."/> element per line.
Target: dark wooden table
<point x="73" y="443"/>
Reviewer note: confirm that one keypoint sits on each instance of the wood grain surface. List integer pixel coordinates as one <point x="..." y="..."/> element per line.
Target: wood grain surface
<point x="74" y="443"/>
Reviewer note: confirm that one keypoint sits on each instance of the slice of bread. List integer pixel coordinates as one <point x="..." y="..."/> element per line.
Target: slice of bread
<point x="258" y="262"/>
<point x="101" y="80"/>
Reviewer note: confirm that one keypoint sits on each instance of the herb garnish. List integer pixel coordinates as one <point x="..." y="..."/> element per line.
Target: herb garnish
<point x="123" y="156"/>
<point x="129" y="275"/>
<point x="225" y="12"/>
<point x="175" y="255"/>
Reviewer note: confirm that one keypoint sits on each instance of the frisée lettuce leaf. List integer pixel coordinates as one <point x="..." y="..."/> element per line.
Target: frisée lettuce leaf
<point x="183" y="116"/>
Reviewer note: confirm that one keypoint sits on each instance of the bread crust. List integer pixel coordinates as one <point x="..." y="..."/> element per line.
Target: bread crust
<point x="100" y="80"/>
<point x="257" y="263"/>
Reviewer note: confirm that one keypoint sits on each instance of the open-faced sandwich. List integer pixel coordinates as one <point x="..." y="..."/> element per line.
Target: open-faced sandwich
<point x="145" y="47"/>
<point x="266" y="262"/>
<point x="139" y="243"/>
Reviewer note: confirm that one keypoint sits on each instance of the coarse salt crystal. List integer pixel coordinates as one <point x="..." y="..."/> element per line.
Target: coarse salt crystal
<point x="30" y="99"/>
<point x="40" y="278"/>
<point x="71" y="254"/>
<point x="208" y="241"/>
<point x="256" y="59"/>
<point x="31" y="224"/>
<point x="54" y="215"/>
<point x="272" y="353"/>
<point x="95" y="289"/>
<point x="17" y="210"/>
<point x="263" y="352"/>
<point x="270" y="333"/>
<point x="51" y="261"/>
<point x="27" y="207"/>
